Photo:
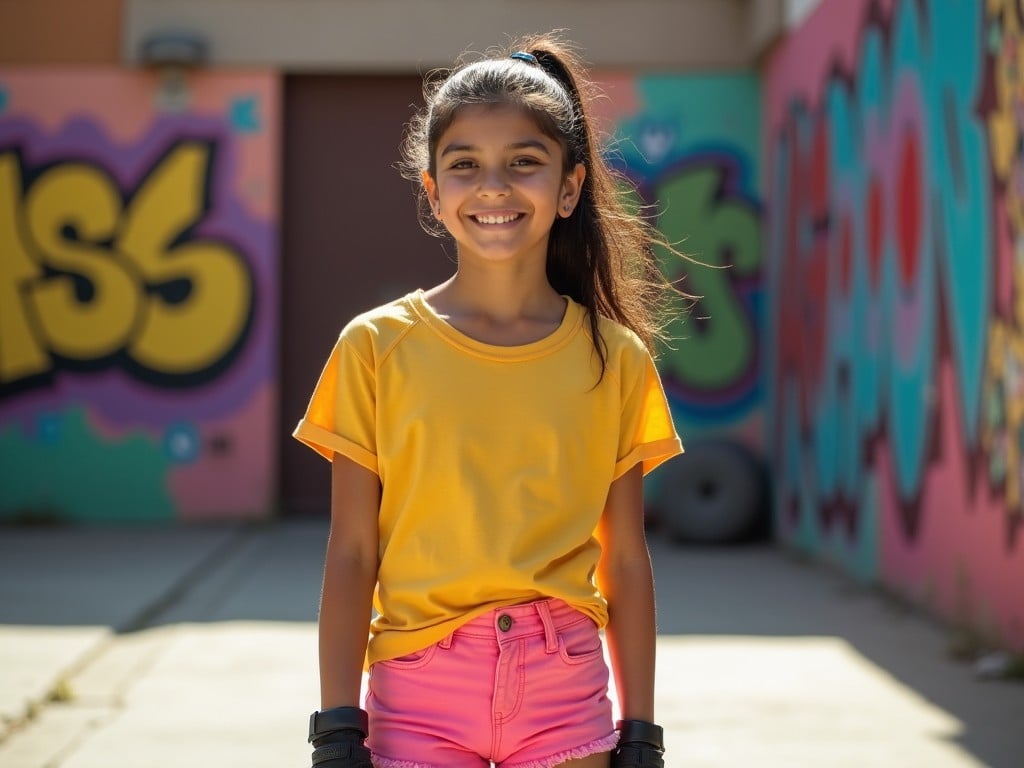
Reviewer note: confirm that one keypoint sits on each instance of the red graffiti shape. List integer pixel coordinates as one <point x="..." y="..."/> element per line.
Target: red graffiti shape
<point x="908" y="220"/>
<point x="875" y="229"/>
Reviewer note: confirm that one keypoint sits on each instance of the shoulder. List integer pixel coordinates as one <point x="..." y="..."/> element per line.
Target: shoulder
<point x="628" y="362"/>
<point x="372" y="334"/>
<point x="621" y="343"/>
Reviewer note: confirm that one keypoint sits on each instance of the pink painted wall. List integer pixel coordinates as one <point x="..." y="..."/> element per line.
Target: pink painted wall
<point x="896" y="301"/>
<point x="138" y="294"/>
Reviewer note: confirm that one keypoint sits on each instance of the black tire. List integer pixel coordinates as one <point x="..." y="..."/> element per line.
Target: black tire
<point x="715" y="493"/>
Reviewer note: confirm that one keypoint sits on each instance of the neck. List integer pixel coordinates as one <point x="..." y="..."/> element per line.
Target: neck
<point x="501" y="293"/>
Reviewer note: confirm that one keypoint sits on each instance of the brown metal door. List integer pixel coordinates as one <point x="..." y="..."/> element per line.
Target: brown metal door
<point x="350" y="239"/>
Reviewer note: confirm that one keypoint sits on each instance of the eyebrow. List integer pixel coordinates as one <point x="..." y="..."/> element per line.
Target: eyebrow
<point x="528" y="144"/>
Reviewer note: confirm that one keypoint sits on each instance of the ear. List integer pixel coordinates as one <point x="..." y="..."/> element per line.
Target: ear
<point x="430" y="187"/>
<point x="572" y="188"/>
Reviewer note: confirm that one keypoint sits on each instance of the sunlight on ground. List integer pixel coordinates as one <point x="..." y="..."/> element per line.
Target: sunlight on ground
<point x="785" y="701"/>
<point x="30" y="655"/>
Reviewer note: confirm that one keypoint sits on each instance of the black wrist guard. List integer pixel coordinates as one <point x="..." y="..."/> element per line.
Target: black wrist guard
<point x="337" y="735"/>
<point x="338" y="719"/>
<point x="641" y="745"/>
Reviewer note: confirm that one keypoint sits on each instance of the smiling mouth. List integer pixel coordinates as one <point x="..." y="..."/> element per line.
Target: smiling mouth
<point x="504" y="218"/>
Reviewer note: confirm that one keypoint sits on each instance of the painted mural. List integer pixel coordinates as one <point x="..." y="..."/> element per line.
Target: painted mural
<point x="895" y="299"/>
<point x="138" y="316"/>
<point x="690" y="146"/>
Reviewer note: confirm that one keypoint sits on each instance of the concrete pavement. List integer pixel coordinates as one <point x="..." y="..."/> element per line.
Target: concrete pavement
<point x="154" y="647"/>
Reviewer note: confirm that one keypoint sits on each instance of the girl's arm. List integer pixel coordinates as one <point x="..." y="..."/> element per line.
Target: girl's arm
<point x="625" y="579"/>
<point x="350" y="575"/>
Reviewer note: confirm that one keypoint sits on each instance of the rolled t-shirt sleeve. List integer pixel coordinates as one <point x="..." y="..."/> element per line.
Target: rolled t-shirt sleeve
<point x="341" y="416"/>
<point x="647" y="435"/>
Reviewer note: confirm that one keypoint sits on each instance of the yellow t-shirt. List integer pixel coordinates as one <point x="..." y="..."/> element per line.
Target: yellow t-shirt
<point x="495" y="462"/>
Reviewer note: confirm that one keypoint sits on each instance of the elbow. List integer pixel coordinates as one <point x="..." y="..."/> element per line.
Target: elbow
<point x="632" y="576"/>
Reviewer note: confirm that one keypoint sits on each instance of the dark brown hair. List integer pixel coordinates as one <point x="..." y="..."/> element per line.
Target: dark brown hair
<point x="602" y="255"/>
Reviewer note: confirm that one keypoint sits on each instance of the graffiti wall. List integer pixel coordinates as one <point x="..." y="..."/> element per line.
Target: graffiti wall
<point x="690" y="145"/>
<point x="138" y="238"/>
<point x="895" y="299"/>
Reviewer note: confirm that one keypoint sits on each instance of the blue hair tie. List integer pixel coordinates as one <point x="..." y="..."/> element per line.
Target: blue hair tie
<point x="529" y="58"/>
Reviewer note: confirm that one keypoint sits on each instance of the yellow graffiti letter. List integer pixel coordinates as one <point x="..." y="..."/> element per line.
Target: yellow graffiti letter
<point x="20" y="352"/>
<point x="204" y="321"/>
<point x="88" y="309"/>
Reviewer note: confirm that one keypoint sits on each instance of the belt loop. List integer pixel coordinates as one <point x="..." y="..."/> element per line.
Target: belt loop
<point x="550" y="634"/>
<point x="446" y="642"/>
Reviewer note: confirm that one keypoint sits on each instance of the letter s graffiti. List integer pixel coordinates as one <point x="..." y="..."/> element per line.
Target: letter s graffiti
<point x="89" y="279"/>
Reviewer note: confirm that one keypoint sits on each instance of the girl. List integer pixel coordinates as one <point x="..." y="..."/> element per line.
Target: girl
<point x="488" y="440"/>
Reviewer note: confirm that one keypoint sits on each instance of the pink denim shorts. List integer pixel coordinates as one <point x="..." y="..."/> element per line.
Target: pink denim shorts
<point x="524" y="686"/>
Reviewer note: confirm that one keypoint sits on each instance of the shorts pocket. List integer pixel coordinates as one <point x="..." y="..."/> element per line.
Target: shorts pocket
<point x="412" y="660"/>
<point x="580" y="644"/>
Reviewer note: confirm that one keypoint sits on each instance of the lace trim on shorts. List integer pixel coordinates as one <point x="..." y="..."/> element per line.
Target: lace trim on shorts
<point x="386" y="762"/>
<point x="600" y="745"/>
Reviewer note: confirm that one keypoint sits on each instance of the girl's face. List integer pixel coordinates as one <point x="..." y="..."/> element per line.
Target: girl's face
<point x="500" y="183"/>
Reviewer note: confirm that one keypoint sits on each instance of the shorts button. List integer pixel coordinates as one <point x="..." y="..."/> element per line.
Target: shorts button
<point x="504" y="622"/>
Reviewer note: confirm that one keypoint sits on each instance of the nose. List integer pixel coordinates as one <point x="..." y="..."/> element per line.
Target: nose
<point x="494" y="183"/>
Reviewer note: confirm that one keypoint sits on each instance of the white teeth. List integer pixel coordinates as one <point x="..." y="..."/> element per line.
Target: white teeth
<point x="497" y="219"/>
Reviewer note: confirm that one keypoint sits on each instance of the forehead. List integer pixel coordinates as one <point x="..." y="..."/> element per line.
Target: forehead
<point x="493" y="124"/>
